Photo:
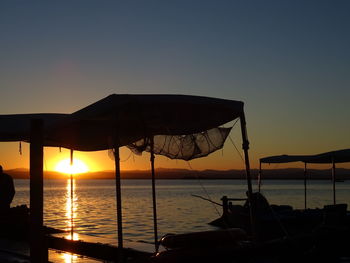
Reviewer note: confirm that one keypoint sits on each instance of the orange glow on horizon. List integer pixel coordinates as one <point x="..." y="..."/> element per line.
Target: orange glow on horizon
<point x="98" y="161"/>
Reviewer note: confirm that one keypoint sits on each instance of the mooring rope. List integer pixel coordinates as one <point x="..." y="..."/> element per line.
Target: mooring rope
<point x="204" y="189"/>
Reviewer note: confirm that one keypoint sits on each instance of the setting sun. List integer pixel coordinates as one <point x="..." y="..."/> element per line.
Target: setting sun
<point x="78" y="167"/>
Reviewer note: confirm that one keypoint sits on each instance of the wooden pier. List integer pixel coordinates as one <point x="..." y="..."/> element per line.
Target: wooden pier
<point x="87" y="249"/>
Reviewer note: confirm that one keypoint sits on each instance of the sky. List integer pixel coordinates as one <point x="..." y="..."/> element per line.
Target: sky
<point x="288" y="61"/>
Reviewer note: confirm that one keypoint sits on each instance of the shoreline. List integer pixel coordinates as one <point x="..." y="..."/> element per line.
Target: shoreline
<point x="183" y="174"/>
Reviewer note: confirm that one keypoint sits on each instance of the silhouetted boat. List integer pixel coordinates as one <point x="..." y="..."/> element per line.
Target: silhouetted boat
<point x="325" y="229"/>
<point x="280" y="221"/>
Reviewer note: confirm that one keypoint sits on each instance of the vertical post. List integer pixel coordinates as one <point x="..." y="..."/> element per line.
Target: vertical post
<point x="155" y="224"/>
<point x="119" y="203"/>
<point x="305" y="174"/>
<point x="259" y="177"/>
<point x="38" y="249"/>
<point x="224" y="200"/>
<point x="245" y="146"/>
<point x="71" y="196"/>
<point x="333" y="179"/>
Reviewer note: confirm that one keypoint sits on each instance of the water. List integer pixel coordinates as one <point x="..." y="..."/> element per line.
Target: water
<point x="94" y="206"/>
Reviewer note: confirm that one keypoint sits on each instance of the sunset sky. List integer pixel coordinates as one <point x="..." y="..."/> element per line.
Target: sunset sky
<point x="289" y="61"/>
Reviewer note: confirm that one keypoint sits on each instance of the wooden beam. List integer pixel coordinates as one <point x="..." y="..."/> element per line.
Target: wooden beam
<point x="154" y="200"/>
<point x="119" y="203"/>
<point x="305" y="186"/>
<point x="38" y="248"/>
<point x="245" y="146"/>
<point x="334" y="180"/>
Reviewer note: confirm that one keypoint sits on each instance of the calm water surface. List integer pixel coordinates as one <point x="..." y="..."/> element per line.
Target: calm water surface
<point x="94" y="207"/>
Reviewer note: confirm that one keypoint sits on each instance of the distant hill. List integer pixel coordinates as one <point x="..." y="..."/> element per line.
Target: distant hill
<point x="162" y="173"/>
<point x="22" y="173"/>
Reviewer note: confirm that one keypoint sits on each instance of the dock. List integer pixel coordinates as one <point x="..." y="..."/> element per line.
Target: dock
<point x="83" y="248"/>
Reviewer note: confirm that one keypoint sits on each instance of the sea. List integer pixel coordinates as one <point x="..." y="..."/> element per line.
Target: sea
<point x="91" y="207"/>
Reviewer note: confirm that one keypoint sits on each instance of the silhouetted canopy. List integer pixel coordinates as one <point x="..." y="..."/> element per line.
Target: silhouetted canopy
<point x="340" y="156"/>
<point x="119" y="120"/>
<point x="16" y="127"/>
<point x="284" y="159"/>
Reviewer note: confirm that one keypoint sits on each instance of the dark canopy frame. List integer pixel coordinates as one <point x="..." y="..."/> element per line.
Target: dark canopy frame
<point x="119" y="120"/>
<point x="333" y="157"/>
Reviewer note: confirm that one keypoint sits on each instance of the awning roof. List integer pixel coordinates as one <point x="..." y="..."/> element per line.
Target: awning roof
<point x="283" y="159"/>
<point x="340" y="156"/>
<point x="16" y="127"/>
<point x="127" y="118"/>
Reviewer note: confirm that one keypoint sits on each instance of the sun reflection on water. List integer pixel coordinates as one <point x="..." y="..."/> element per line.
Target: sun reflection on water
<point x="75" y="236"/>
<point x="69" y="258"/>
<point x="71" y="209"/>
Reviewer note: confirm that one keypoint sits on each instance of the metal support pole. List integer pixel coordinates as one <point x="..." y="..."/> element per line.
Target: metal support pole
<point x="245" y="147"/>
<point x="38" y="248"/>
<point x="224" y="200"/>
<point x="119" y="203"/>
<point x="333" y="179"/>
<point x="305" y="174"/>
<point x="155" y="224"/>
<point x="71" y="196"/>
<point x="259" y="177"/>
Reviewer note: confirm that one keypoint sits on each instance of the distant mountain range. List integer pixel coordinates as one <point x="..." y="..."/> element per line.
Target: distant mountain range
<point x="162" y="173"/>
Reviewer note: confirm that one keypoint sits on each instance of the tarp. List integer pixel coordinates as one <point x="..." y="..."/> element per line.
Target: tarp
<point x="119" y="120"/>
<point x="16" y="127"/>
<point x="340" y="156"/>
<point x="284" y="159"/>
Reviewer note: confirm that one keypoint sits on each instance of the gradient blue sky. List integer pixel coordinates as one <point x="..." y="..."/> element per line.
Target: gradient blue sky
<point x="289" y="61"/>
